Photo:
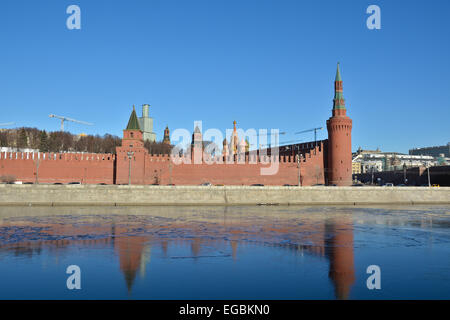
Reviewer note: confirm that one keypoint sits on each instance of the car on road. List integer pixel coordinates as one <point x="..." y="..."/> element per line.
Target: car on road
<point x="388" y="184"/>
<point x="206" y="184"/>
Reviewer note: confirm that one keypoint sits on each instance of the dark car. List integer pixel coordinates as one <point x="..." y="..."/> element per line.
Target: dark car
<point x="257" y="185"/>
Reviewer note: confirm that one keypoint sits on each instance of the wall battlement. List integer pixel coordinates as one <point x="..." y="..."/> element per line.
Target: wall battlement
<point x="51" y="156"/>
<point x="58" y="167"/>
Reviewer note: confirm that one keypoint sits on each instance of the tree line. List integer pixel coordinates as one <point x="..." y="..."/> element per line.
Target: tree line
<point x="60" y="141"/>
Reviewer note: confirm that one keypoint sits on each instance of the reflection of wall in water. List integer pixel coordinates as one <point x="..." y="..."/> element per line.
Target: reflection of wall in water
<point x="131" y="240"/>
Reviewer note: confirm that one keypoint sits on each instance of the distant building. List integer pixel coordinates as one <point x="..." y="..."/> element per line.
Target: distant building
<point x="79" y="136"/>
<point x="377" y="161"/>
<point x="10" y="149"/>
<point x="356" y="167"/>
<point x="432" y="151"/>
<point x="146" y="124"/>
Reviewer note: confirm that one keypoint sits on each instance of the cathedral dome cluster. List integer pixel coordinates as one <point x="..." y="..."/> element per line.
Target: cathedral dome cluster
<point x="235" y="146"/>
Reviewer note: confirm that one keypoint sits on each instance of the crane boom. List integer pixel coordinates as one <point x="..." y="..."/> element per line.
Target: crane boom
<point x="68" y="119"/>
<point x="6" y="124"/>
<point x="309" y="130"/>
<point x="266" y="134"/>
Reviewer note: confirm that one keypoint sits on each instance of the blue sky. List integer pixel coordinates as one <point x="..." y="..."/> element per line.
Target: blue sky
<point x="265" y="64"/>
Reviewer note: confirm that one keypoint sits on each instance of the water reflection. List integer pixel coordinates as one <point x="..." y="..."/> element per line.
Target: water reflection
<point x="132" y="233"/>
<point x="339" y="251"/>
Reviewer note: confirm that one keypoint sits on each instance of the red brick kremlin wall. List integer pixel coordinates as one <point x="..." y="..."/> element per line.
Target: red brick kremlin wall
<point x="158" y="169"/>
<point x="58" y="167"/>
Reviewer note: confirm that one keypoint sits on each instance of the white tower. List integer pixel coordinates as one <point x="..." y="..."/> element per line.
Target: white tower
<point x="146" y="124"/>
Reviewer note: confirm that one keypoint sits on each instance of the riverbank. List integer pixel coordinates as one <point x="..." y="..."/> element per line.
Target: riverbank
<point x="123" y="195"/>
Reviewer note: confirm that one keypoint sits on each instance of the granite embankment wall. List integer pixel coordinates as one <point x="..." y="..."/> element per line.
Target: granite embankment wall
<point x="114" y="195"/>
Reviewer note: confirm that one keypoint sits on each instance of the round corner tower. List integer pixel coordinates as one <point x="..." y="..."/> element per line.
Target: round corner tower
<point x="339" y="139"/>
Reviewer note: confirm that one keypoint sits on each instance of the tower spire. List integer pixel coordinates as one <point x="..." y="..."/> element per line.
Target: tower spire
<point x="338" y="73"/>
<point x="338" y="101"/>
<point x="133" y="123"/>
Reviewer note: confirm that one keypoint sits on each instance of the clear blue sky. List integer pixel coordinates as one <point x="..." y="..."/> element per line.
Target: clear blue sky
<point x="265" y="64"/>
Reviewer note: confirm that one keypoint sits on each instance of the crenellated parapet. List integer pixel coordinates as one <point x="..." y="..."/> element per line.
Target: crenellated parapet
<point x="51" y="167"/>
<point x="53" y="156"/>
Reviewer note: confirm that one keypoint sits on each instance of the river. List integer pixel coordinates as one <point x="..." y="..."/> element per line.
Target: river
<point x="235" y="252"/>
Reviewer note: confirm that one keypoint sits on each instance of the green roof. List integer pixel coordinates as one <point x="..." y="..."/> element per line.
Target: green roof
<point x="133" y="123"/>
<point x="338" y="74"/>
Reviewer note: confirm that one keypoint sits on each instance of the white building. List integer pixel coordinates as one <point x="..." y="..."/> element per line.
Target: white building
<point x="377" y="161"/>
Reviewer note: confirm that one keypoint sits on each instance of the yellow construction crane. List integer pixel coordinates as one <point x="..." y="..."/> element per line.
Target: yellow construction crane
<point x="68" y="119"/>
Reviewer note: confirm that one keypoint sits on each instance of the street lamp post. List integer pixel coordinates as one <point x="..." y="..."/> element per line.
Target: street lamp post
<point x="372" y="174"/>
<point x="130" y="155"/>
<point x="299" y="173"/>
<point x="404" y="173"/>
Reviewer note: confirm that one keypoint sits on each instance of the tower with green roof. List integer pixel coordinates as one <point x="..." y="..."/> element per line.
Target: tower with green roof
<point x="131" y="154"/>
<point x="338" y="101"/>
<point x="339" y="126"/>
<point x="133" y="135"/>
<point x="133" y="122"/>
